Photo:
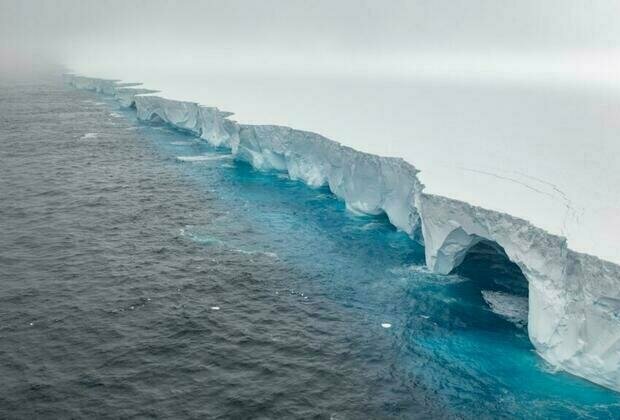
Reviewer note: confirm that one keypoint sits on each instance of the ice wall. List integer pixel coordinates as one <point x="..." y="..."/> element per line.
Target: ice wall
<point x="367" y="183"/>
<point x="126" y="96"/>
<point x="574" y="299"/>
<point x="208" y="123"/>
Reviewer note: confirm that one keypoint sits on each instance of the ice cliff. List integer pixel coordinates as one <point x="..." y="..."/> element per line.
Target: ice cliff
<point x="574" y="299"/>
<point x="208" y="123"/>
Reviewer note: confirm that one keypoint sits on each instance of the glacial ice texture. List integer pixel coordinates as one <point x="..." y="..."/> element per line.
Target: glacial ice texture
<point x="574" y="298"/>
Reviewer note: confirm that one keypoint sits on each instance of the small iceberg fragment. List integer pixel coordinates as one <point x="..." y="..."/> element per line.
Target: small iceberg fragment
<point x="386" y="325"/>
<point x="511" y="307"/>
<point x="202" y="158"/>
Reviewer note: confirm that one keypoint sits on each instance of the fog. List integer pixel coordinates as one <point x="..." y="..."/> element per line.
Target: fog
<point x="512" y="106"/>
<point x="569" y="40"/>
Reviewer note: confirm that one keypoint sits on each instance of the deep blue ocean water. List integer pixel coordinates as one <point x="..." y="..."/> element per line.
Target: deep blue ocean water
<point x="136" y="282"/>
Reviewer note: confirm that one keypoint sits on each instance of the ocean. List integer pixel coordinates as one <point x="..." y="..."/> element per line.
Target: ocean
<point x="145" y="273"/>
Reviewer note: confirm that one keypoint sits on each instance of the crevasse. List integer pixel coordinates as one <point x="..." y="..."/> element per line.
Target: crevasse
<point x="574" y="298"/>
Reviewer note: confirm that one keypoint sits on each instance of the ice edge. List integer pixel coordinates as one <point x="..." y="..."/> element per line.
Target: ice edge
<point x="574" y="298"/>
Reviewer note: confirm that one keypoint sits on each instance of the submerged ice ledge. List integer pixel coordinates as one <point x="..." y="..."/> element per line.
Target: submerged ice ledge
<point x="574" y="298"/>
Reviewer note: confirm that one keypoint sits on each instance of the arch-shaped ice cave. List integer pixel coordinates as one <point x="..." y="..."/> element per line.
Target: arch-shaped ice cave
<point x="574" y="302"/>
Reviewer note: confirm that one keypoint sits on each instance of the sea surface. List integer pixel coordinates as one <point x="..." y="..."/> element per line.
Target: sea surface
<point x="145" y="274"/>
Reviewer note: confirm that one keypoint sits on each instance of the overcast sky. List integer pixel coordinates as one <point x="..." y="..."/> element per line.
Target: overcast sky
<point x="581" y="37"/>
<point x="508" y="87"/>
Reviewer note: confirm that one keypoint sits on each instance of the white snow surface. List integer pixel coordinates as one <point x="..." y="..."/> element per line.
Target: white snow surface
<point x="525" y="169"/>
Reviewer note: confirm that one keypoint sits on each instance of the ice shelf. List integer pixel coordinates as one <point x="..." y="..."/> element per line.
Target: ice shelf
<point x="574" y="298"/>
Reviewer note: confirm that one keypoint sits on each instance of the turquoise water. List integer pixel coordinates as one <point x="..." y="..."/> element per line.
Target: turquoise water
<point x="198" y="286"/>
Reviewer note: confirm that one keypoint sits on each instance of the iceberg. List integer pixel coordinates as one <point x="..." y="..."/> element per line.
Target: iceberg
<point x="574" y="298"/>
<point x="511" y="307"/>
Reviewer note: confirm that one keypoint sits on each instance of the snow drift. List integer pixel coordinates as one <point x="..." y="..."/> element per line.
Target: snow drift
<point x="574" y="298"/>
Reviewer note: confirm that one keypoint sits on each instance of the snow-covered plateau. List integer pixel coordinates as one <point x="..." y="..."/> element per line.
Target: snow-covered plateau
<point x="574" y="298"/>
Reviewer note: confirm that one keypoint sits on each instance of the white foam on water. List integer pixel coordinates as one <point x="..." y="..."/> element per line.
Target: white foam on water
<point x="422" y="275"/>
<point x="352" y="211"/>
<point x="90" y="136"/>
<point x="265" y="253"/>
<point x="371" y="225"/>
<point x="511" y="307"/>
<point x="407" y="269"/>
<point x="215" y="308"/>
<point x="200" y="236"/>
<point x="182" y="143"/>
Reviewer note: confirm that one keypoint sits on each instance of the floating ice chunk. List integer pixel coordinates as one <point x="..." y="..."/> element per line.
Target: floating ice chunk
<point x="386" y="325"/>
<point x="215" y="308"/>
<point x="202" y="158"/>
<point x="512" y="307"/>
